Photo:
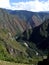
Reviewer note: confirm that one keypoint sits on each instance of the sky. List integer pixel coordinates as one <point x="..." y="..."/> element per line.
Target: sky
<point x="29" y="5"/>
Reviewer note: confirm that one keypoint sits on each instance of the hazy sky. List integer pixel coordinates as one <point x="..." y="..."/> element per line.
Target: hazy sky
<point x="30" y="5"/>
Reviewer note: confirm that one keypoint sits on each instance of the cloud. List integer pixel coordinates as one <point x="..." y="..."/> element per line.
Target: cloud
<point x="4" y="4"/>
<point x="34" y="5"/>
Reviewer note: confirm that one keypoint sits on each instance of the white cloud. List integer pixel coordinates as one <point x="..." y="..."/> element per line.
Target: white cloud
<point x="35" y="5"/>
<point x="32" y="6"/>
<point x="5" y="4"/>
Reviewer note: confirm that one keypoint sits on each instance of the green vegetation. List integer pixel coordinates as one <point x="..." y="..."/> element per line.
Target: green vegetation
<point x="11" y="63"/>
<point x="4" y="54"/>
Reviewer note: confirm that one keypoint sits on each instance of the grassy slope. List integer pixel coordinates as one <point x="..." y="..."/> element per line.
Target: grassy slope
<point x="4" y="37"/>
<point x="4" y="55"/>
<point x="9" y="63"/>
<point x="8" y="39"/>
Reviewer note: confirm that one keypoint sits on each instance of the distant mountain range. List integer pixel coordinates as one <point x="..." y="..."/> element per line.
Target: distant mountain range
<point x="23" y="34"/>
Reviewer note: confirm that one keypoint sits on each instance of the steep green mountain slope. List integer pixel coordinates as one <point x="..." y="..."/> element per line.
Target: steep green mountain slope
<point x="22" y="36"/>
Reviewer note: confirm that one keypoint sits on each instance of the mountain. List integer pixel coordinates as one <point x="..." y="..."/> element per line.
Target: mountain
<point x="24" y="35"/>
<point x="40" y="35"/>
